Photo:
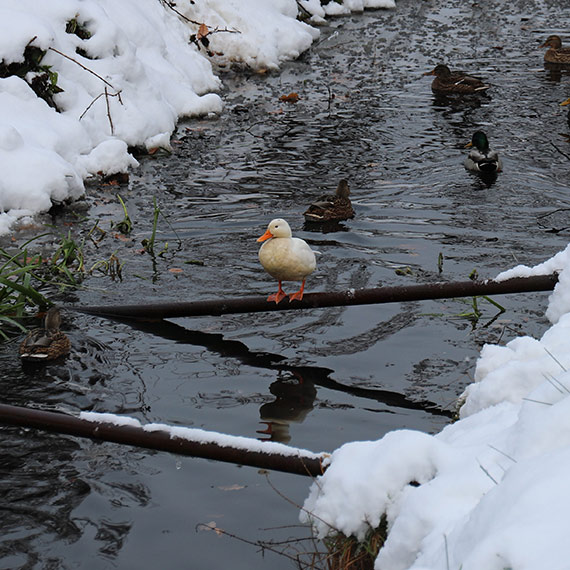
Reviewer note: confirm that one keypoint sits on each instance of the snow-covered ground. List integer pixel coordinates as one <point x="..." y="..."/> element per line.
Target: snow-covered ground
<point x="125" y="72"/>
<point x="492" y="486"/>
<point x="493" y="489"/>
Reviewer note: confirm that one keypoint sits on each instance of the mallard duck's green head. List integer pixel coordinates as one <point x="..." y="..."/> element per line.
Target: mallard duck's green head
<point x="439" y="70"/>
<point x="479" y="141"/>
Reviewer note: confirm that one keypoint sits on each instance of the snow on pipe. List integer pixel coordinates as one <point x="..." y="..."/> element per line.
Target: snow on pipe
<point x="441" y="290"/>
<point x="231" y="449"/>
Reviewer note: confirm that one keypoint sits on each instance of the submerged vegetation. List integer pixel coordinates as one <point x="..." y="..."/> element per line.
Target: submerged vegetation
<point x="42" y="269"/>
<point x="335" y="552"/>
<point x="26" y="278"/>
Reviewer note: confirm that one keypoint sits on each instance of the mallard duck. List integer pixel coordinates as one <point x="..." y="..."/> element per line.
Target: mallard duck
<point x="481" y="158"/>
<point x="556" y="53"/>
<point x="46" y="343"/>
<point x="285" y="258"/>
<point x="447" y="81"/>
<point x="331" y="208"/>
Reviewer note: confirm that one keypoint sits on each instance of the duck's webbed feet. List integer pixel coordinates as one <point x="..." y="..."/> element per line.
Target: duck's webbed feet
<point x="277" y="297"/>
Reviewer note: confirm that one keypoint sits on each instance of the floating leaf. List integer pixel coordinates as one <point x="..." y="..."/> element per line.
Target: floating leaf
<point x="212" y="526"/>
<point x="291" y="98"/>
<point x="234" y="487"/>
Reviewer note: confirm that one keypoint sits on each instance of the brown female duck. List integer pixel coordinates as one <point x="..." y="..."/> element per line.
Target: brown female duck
<point x="447" y="81"/>
<point x="556" y="53"/>
<point x="332" y="208"/>
<point x="46" y="343"/>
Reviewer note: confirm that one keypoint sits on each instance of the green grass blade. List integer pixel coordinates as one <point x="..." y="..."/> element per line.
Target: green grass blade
<point x="30" y="292"/>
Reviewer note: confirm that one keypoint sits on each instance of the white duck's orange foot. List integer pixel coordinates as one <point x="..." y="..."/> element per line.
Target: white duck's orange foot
<point x="299" y="294"/>
<point x="277" y="297"/>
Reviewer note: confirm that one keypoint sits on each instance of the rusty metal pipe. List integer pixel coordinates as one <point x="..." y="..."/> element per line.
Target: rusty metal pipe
<point x="300" y="464"/>
<point x="216" y="307"/>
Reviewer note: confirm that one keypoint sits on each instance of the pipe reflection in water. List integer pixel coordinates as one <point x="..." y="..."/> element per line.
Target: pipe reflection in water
<point x="308" y="376"/>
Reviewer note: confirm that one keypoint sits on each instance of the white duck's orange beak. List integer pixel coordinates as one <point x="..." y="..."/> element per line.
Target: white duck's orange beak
<point x="567" y="102"/>
<point x="265" y="236"/>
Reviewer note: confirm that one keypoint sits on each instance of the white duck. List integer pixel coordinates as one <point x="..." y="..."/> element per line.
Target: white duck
<point x="285" y="258"/>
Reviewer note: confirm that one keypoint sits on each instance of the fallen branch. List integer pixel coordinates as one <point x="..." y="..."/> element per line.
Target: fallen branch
<point x="406" y="293"/>
<point x="231" y="449"/>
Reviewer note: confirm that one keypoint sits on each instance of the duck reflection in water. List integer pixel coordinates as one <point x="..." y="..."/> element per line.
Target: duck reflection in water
<point x="294" y="399"/>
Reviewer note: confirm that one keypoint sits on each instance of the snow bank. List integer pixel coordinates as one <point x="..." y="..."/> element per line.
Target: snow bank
<point x="333" y="8"/>
<point x="137" y="52"/>
<point x="492" y="487"/>
<point x="260" y="34"/>
<point x="125" y="72"/>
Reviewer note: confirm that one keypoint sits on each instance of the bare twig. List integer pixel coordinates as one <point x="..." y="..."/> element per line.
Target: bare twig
<point x="555" y="359"/>
<point x="488" y="474"/>
<point x="258" y="543"/>
<point x="303" y="9"/>
<point x="82" y="66"/>
<point x="170" y="6"/>
<point x="109" y="110"/>
<point x="105" y="94"/>
<point x="90" y="105"/>
<point x="553" y="212"/>
<point x="560" y="151"/>
<point x="284" y="497"/>
<point x="502" y="453"/>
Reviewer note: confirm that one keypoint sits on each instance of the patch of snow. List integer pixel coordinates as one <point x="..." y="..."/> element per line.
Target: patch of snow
<point x="492" y="486"/>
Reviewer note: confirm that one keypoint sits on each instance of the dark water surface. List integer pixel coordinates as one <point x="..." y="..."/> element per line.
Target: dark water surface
<point x="320" y="377"/>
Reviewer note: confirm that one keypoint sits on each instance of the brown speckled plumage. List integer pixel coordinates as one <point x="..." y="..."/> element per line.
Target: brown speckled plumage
<point x="46" y="343"/>
<point x="556" y="53"/>
<point x="447" y="81"/>
<point x="330" y="208"/>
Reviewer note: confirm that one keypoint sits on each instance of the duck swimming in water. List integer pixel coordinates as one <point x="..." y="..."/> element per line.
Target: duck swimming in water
<point x="285" y="258"/>
<point x="481" y="158"/>
<point x="46" y="343"/>
<point x="556" y="53"/>
<point x="447" y="81"/>
<point x="332" y="208"/>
